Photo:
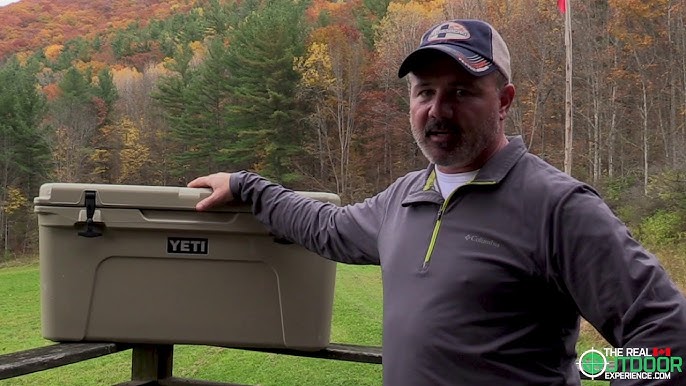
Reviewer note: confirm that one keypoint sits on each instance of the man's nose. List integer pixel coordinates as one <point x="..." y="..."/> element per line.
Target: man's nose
<point x="441" y="107"/>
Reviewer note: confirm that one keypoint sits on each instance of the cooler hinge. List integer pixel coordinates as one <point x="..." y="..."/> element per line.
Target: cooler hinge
<point x="90" y="211"/>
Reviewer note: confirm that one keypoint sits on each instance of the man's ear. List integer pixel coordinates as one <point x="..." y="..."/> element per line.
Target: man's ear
<point x="507" y="95"/>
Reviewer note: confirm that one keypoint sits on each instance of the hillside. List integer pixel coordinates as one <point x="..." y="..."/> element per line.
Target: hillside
<point x="32" y="24"/>
<point x="307" y="93"/>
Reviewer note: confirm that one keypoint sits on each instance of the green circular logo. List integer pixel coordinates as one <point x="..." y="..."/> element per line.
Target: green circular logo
<point x="592" y="363"/>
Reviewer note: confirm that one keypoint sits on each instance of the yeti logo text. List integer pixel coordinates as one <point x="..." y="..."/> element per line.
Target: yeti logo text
<point x="185" y="245"/>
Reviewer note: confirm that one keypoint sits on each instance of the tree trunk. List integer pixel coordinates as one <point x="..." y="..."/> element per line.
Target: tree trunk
<point x="569" y="132"/>
<point x="644" y="113"/>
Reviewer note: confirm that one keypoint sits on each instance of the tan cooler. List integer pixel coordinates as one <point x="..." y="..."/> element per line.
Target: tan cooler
<point x="138" y="264"/>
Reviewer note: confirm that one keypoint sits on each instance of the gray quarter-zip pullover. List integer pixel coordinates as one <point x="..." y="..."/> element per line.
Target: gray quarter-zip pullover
<point x="486" y="287"/>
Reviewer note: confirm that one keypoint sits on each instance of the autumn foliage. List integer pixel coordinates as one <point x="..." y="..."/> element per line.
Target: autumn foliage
<point x="31" y="24"/>
<point x="157" y="92"/>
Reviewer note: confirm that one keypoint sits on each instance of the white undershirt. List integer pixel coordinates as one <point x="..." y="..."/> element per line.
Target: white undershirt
<point x="447" y="183"/>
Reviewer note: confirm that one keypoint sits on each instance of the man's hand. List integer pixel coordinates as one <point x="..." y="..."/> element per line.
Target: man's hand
<point x="221" y="192"/>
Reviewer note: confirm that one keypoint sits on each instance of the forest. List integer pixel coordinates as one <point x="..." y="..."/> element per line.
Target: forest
<point x="306" y="92"/>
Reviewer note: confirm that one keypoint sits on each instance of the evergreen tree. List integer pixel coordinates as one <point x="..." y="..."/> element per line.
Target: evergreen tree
<point x="74" y="49"/>
<point x="236" y="109"/>
<point x="107" y="92"/>
<point x="210" y="96"/>
<point x="121" y="44"/>
<point x="175" y="95"/>
<point x="263" y="116"/>
<point x="218" y="17"/>
<point x="76" y="118"/>
<point x="76" y="86"/>
<point x="24" y="153"/>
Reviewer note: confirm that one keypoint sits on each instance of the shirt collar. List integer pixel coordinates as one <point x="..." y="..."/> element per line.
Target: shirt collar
<point x="493" y="172"/>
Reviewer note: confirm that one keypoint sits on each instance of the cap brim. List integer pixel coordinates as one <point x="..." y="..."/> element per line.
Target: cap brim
<point x="474" y="63"/>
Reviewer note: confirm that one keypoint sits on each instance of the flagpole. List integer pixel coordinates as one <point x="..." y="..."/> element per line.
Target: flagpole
<point x="569" y="128"/>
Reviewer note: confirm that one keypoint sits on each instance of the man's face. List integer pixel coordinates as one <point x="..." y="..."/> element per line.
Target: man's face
<point x="455" y="116"/>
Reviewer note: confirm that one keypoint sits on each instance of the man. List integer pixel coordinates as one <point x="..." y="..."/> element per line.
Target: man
<point x="490" y="255"/>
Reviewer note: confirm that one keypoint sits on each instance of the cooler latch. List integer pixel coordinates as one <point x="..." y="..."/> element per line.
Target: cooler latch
<point x="90" y="212"/>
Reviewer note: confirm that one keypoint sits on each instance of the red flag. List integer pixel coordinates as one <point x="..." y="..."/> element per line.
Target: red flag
<point x="562" y="5"/>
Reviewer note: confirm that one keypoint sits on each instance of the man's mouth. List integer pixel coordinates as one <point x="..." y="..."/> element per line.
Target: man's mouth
<point x="440" y="138"/>
<point x="439" y="134"/>
<point x="439" y="130"/>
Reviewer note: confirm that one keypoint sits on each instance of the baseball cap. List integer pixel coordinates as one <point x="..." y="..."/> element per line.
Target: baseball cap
<point x="475" y="44"/>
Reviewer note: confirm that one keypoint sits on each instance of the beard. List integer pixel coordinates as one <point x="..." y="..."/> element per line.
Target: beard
<point x="446" y="144"/>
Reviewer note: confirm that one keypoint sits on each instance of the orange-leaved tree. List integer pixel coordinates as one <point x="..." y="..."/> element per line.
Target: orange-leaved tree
<point x="333" y="73"/>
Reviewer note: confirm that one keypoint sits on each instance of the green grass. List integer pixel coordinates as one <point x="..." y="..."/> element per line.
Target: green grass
<point x="356" y="320"/>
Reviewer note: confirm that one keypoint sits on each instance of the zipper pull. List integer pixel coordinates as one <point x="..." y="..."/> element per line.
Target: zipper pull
<point x="440" y="214"/>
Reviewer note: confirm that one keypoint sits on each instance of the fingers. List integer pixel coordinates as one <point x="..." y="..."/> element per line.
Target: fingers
<point x="221" y="191"/>
<point x="200" y="182"/>
<point x="214" y="199"/>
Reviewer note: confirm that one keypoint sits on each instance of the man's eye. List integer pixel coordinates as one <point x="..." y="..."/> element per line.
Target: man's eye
<point x="425" y="93"/>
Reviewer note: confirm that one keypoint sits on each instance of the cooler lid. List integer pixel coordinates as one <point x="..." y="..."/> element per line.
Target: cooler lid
<point x="140" y="196"/>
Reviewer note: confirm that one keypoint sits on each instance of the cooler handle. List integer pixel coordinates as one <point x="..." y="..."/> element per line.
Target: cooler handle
<point x="90" y="211"/>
